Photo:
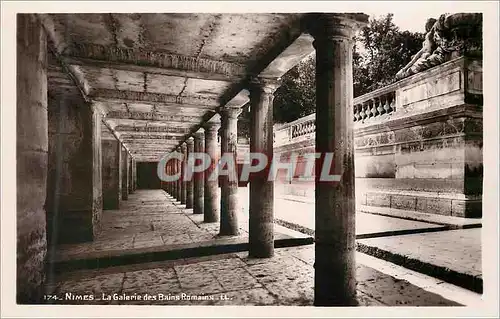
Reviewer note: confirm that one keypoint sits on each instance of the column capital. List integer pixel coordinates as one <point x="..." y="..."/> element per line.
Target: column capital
<point x="268" y="85"/>
<point x="230" y="112"/>
<point x="335" y="26"/>
<point x="211" y="126"/>
<point x="190" y="141"/>
<point x="199" y="133"/>
<point x="97" y="108"/>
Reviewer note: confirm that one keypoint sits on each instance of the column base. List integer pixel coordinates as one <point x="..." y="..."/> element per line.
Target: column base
<point x="70" y="227"/>
<point x="261" y="250"/>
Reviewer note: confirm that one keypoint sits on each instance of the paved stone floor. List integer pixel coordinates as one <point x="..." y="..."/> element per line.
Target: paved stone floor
<point x="301" y="212"/>
<point x="151" y="218"/>
<point x="231" y="279"/>
<point x="458" y="250"/>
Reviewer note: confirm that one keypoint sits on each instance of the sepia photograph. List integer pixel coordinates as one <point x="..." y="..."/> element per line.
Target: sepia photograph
<point x="198" y="155"/>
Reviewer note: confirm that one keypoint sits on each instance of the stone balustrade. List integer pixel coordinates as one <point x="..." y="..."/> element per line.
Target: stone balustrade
<point x="301" y="129"/>
<point x="417" y="142"/>
<point x="379" y="103"/>
<point x="410" y="96"/>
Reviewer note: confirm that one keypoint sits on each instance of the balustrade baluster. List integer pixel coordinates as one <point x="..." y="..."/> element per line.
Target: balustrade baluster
<point x="393" y="102"/>
<point x="373" y="110"/>
<point x="364" y="113"/>
<point x="380" y="107"/>
<point x="387" y="107"/>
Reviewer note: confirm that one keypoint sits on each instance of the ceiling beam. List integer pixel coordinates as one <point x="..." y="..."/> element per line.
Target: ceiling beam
<point x="159" y="61"/>
<point x="234" y="74"/>
<point x="174" y="131"/>
<point x="150" y="116"/>
<point x="126" y="136"/>
<point x="109" y="95"/>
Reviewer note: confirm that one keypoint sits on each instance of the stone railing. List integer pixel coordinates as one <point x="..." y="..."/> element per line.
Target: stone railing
<point x="295" y="131"/>
<point x="420" y="93"/>
<point x="377" y="104"/>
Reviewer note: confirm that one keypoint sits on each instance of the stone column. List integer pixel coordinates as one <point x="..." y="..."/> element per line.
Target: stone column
<point x="111" y="177"/>
<point x="261" y="214"/>
<point x="173" y="184"/>
<point x="32" y="156"/>
<point x="130" y="174"/>
<point x="172" y="168"/>
<point x="211" y="188"/>
<point x="134" y="174"/>
<point x="335" y="266"/>
<point x="183" y="170"/>
<point x="198" y="178"/>
<point x="178" y="195"/>
<point x="189" y="183"/>
<point x="124" y="172"/>
<point x="168" y="184"/>
<point x="229" y="184"/>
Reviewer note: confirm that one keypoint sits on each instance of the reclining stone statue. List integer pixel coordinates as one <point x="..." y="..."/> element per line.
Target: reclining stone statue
<point x="451" y="35"/>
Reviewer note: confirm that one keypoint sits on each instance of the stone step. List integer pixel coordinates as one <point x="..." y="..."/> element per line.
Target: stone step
<point x="453" y="221"/>
<point x="464" y="280"/>
<point x="222" y="245"/>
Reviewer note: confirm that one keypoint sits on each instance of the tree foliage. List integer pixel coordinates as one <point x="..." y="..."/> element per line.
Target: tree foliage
<point x="380" y="51"/>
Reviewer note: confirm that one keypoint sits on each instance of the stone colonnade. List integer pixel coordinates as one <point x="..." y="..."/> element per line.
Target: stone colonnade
<point x="103" y="165"/>
<point x="335" y="204"/>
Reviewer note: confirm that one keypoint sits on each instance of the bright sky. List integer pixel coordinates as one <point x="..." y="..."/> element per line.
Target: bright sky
<point x="412" y="15"/>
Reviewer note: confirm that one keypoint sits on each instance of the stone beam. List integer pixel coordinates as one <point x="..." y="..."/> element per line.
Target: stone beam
<point x="109" y="95"/>
<point x="154" y="159"/>
<point x="163" y="62"/>
<point x="147" y="145"/>
<point x="56" y="44"/>
<point x="291" y="56"/>
<point x="149" y="116"/>
<point x="154" y="129"/>
<point x="109" y="131"/>
<point x="149" y="137"/>
<point x="239" y="99"/>
<point x="233" y="75"/>
<point x="57" y="79"/>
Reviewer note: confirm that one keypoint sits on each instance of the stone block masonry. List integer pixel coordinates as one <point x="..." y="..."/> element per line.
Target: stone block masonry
<point x="111" y="177"/>
<point x="418" y="142"/>
<point x="426" y="155"/>
<point x="32" y="153"/>
<point x="74" y="200"/>
<point x="124" y="173"/>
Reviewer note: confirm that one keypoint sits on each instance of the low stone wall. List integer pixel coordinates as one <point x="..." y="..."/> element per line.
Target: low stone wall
<point x="418" y="142"/>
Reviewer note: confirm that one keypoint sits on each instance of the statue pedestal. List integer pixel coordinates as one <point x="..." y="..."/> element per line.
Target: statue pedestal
<point x="425" y="153"/>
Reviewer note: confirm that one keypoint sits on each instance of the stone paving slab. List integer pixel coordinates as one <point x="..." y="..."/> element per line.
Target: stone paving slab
<point x="151" y="221"/>
<point x="454" y="255"/>
<point x="426" y="244"/>
<point x="302" y="213"/>
<point x="230" y="279"/>
<point x="458" y="222"/>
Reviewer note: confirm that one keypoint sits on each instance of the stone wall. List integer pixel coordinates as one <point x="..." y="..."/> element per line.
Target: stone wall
<point x="32" y="152"/>
<point x="427" y="155"/>
<point x="147" y="176"/>
<point x="418" y="143"/>
<point x="111" y="176"/>
<point x="124" y="172"/>
<point x="74" y="187"/>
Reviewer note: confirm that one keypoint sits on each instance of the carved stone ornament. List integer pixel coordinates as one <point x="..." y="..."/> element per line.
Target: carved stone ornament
<point x="450" y="36"/>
